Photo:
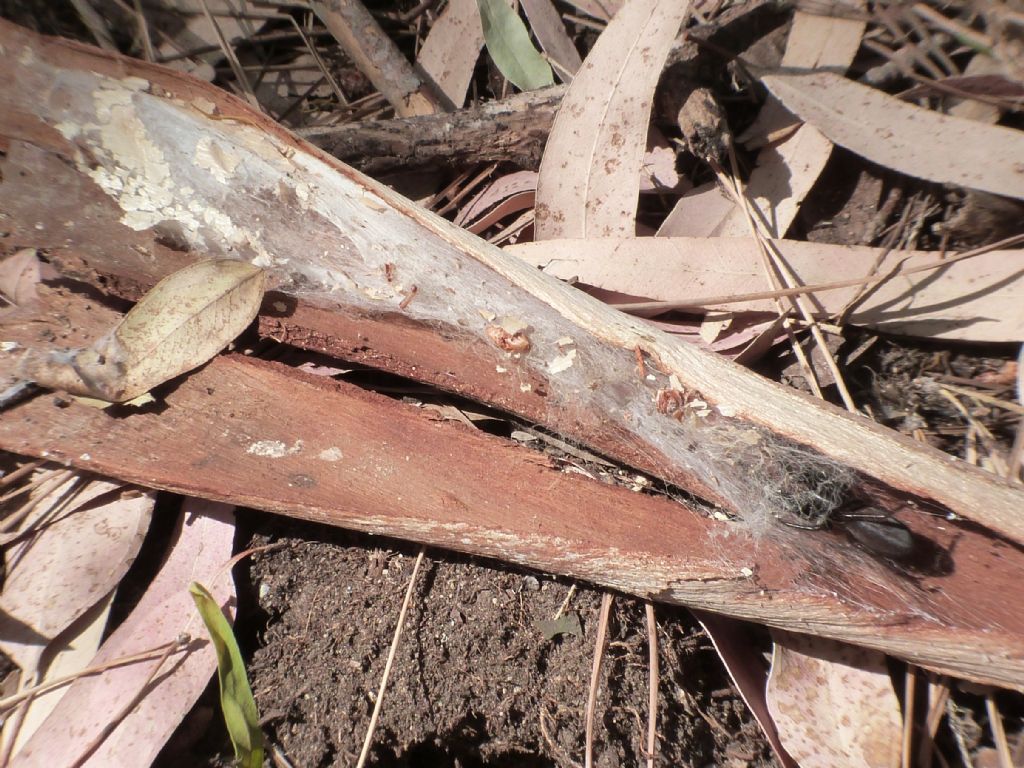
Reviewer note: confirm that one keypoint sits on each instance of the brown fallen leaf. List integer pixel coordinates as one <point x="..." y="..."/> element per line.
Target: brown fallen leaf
<point x="451" y="49"/>
<point x="550" y="31"/>
<point x="935" y="303"/>
<point x="786" y="171"/>
<point x="184" y="321"/>
<point x="19" y="275"/>
<point x="505" y="195"/>
<point x="747" y="670"/>
<point x="903" y="137"/>
<point x="588" y="182"/>
<point x="87" y="538"/>
<point x="201" y="551"/>
<point x="833" y="704"/>
<point x="80" y="539"/>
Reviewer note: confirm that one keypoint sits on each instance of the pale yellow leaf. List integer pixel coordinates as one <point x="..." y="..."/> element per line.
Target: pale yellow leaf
<point x="186" y="319"/>
<point x="904" y="137"/>
<point x="588" y="180"/>
<point x="833" y="704"/>
<point x="977" y="299"/>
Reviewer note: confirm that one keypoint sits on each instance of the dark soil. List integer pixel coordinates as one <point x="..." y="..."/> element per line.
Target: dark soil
<point x="478" y="679"/>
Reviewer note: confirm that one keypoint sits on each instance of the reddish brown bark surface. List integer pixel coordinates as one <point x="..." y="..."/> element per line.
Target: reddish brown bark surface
<point x="262" y="435"/>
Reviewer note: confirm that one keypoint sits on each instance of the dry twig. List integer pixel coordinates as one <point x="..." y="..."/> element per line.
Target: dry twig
<point x="607" y="599"/>
<point x="364" y="753"/>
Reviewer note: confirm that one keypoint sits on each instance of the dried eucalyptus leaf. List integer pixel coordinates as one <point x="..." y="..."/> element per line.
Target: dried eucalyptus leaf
<point x="53" y="369"/>
<point x="186" y="319"/>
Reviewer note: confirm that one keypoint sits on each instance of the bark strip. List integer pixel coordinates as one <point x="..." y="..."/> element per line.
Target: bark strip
<point x="125" y="171"/>
<point x="263" y="435"/>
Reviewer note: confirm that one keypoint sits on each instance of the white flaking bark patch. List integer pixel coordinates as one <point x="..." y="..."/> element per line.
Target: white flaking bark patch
<point x="562" y="362"/>
<point x="133" y="152"/>
<point x="331" y="454"/>
<point x="218" y="160"/>
<point x="273" y="449"/>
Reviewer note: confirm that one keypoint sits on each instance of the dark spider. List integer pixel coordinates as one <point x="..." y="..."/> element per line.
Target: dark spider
<point x="873" y="528"/>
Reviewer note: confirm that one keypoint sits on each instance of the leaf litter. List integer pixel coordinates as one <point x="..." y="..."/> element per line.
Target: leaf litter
<point x="589" y="154"/>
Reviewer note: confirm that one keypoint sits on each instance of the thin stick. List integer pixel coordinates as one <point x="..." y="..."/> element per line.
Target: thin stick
<point x="998" y="733"/>
<point x="981" y="397"/>
<point x="387" y="666"/>
<point x="20" y="472"/>
<point x="38" y="690"/>
<point x="470" y="186"/>
<point x="789" y="280"/>
<point x="560" y="754"/>
<point x="15" y="393"/>
<point x="653" y="678"/>
<point x="595" y="676"/>
<point x="565" y="603"/>
<point x="36" y="484"/>
<point x="376" y="56"/>
<point x="910" y="688"/>
<point x="938" y="696"/>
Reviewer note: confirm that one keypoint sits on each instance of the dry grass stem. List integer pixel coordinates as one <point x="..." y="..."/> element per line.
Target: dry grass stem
<point x="391" y="659"/>
<point x="909" y="695"/>
<point x="653" y="678"/>
<point x="779" y="272"/>
<point x="8" y="703"/>
<point x="998" y="732"/>
<point x="229" y="54"/>
<point x="732" y="184"/>
<point x="147" y="41"/>
<point x="607" y="599"/>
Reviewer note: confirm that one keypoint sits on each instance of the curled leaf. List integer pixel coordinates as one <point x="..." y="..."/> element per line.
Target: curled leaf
<point x="186" y="319"/>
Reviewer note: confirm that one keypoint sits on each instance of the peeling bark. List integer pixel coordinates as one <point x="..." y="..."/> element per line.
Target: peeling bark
<point x="264" y="435"/>
<point x="125" y="171"/>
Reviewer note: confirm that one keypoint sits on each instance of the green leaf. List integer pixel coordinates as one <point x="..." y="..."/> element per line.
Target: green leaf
<point x="509" y="44"/>
<point x="236" y="701"/>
